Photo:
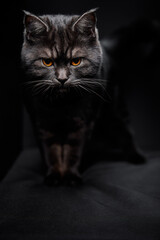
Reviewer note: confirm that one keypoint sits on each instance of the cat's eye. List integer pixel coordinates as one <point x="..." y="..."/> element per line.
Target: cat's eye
<point x="76" y="61"/>
<point x="47" y="62"/>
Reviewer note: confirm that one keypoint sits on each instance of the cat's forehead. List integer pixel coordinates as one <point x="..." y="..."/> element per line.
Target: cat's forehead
<point x="59" y="23"/>
<point x="69" y="53"/>
<point x="62" y="41"/>
<point x="60" y="20"/>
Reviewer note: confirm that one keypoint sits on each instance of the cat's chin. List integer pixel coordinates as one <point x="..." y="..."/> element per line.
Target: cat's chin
<point x="63" y="90"/>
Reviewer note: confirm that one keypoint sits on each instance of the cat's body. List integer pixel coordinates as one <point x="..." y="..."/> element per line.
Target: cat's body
<point x="65" y="87"/>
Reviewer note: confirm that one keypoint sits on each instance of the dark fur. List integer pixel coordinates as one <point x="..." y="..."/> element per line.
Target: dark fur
<point x="64" y="102"/>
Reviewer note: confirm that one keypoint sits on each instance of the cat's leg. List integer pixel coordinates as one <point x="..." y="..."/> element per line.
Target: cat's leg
<point x="53" y="159"/>
<point x="51" y="152"/>
<point x="62" y="163"/>
<point x="72" y="158"/>
<point x="72" y="154"/>
<point x="63" y="160"/>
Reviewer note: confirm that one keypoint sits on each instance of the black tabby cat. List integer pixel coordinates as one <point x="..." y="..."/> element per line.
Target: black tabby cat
<point x="65" y="87"/>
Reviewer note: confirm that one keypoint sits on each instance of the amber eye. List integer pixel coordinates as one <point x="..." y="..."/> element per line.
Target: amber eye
<point x="76" y="61"/>
<point x="47" y="62"/>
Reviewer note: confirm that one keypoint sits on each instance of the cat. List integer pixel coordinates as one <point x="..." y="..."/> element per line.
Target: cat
<point x="65" y="89"/>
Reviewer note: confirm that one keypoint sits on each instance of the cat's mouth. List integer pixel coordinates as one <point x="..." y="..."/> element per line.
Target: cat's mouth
<point x="63" y="89"/>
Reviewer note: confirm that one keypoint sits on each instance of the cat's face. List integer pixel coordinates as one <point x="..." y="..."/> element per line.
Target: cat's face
<point x="61" y="52"/>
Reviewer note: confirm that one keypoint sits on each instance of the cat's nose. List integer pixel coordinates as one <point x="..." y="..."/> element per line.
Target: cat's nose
<point x="62" y="75"/>
<point x="62" y="80"/>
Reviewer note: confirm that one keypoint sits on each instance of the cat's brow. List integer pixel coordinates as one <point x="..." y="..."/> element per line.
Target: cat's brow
<point x="77" y="52"/>
<point x="46" y="53"/>
<point x="55" y="52"/>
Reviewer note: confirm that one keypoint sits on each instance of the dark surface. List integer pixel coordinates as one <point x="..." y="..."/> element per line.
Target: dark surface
<point x="117" y="200"/>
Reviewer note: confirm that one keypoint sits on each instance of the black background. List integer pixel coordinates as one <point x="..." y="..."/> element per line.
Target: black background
<point x="112" y="14"/>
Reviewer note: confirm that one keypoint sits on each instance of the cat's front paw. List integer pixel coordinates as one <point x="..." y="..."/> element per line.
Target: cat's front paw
<point x="72" y="179"/>
<point x="53" y="179"/>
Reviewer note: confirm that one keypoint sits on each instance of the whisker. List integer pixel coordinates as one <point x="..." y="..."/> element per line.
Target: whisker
<point x="78" y="90"/>
<point x="37" y="90"/>
<point x="97" y="83"/>
<point x="39" y="86"/>
<point x="46" y="90"/>
<point x="44" y="81"/>
<point x="84" y="88"/>
<point x="91" y="85"/>
<point x="92" y="91"/>
<point x="92" y="81"/>
<point x="98" y="95"/>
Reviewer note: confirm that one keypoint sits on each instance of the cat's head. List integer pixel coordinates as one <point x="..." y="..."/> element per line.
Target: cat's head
<point x="61" y="51"/>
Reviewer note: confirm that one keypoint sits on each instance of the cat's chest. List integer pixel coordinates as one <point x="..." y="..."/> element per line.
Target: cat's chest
<point x="62" y="115"/>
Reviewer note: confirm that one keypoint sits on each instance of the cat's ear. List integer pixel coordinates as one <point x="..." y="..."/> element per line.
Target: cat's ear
<point x="86" y="23"/>
<point x="34" y="26"/>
